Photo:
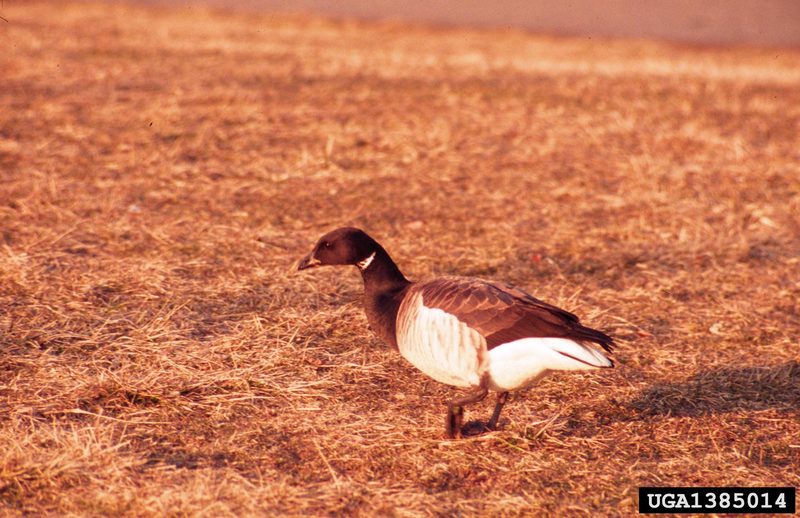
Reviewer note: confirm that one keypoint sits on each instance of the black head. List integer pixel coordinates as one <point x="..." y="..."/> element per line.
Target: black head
<point x="346" y="245"/>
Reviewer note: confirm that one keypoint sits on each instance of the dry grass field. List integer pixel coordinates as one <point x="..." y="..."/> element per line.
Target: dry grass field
<point x="161" y="170"/>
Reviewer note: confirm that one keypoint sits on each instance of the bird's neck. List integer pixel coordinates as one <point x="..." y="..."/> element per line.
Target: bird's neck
<point x="380" y="273"/>
<point x="384" y="288"/>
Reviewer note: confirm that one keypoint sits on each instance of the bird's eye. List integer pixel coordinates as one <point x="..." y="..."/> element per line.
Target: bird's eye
<point x="327" y="244"/>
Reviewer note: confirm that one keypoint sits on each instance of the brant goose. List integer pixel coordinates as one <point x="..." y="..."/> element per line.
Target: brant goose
<point x="464" y="332"/>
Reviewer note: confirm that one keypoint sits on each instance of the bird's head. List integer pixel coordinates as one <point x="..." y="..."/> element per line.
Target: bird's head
<point x="343" y="246"/>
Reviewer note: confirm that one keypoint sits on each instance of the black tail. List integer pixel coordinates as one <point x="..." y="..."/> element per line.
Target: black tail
<point x="593" y="335"/>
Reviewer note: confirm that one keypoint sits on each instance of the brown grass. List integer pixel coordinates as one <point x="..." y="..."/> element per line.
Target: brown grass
<point x="161" y="170"/>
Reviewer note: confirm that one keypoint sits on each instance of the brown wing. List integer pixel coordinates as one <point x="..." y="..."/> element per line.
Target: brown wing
<point x="502" y="313"/>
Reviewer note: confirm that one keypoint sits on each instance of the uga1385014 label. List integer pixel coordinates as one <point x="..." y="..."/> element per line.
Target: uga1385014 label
<point x="730" y="500"/>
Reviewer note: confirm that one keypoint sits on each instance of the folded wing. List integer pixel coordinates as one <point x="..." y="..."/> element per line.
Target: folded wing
<point x="503" y="314"/>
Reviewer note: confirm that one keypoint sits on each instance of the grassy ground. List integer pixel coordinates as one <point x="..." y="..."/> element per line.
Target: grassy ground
<point x="161" y="170"/>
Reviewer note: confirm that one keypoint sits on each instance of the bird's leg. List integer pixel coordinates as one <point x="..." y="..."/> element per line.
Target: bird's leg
<point x="498" y="407"/>
<point x="455" y="410"/>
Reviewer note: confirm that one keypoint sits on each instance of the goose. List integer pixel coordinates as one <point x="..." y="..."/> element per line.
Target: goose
<point x="470" y="333"/>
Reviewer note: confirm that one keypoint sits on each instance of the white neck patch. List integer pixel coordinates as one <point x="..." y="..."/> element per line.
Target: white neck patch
<point x="363" y="265"/>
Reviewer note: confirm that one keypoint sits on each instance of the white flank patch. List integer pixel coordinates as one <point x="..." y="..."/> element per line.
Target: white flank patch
<point x="439" y="344"/>
<point x="363" y="265"/>
<point x="521" y="363"/>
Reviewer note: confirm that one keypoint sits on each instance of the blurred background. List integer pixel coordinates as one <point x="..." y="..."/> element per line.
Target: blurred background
<point x="749" y="22"/>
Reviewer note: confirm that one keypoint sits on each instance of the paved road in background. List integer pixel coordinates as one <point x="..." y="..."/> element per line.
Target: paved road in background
<point x="753" y="22"/>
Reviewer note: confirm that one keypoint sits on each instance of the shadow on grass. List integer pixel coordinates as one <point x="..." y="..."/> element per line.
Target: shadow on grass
<point x="725" y="390"/>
